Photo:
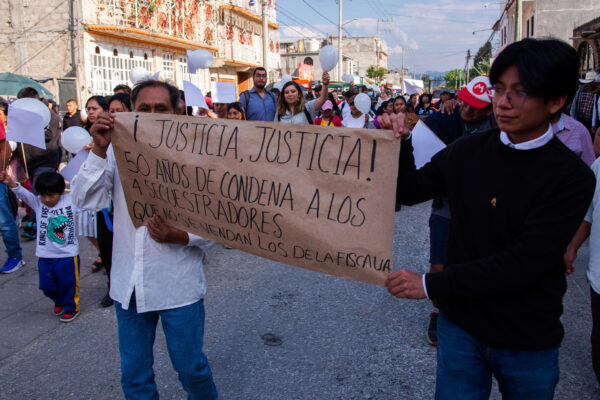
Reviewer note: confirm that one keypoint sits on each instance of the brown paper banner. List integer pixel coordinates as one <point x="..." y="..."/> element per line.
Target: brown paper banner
<point x="320" y="198"/>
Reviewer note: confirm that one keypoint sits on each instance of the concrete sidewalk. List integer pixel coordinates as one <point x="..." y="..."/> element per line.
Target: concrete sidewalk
<point x="339" y="339"/>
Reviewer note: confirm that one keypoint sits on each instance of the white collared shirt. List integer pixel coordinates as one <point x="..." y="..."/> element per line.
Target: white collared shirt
<point x="531" y="144"/>
<point x="164" y="275"/>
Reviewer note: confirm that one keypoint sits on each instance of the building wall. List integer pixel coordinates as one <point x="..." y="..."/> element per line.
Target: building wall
<point x="558" y="18"/>
<point x="34" y="44"/>
<point x="551" y="18"/>
<point x="363" y="50"/>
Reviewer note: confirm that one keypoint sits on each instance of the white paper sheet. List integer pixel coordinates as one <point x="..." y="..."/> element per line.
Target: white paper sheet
<point x="25" y="127"/>
<point x="223" y="92"/>
<point x="72" y="168"/>
<point x="425" y="144"/>
<point x="193" y="95"/>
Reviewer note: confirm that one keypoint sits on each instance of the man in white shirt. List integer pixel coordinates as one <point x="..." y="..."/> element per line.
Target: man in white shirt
<point x="156" y="269"/>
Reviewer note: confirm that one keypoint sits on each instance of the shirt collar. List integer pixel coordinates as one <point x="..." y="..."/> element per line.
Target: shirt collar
<point x="559" y="126"/>
<point x="532" y="144"/>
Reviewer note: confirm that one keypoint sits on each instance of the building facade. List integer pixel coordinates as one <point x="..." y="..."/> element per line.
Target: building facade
<point x="86" y="47"/>
<point x="541" y="18"/>
<point x="358" y="53"/>
<point x="586" y="40"/>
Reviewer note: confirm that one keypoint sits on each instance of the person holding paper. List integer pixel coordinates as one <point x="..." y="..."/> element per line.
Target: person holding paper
<point x="37" y="160"/>
<point x="475" y="116"/>
<point x="293" y="109"/>
<point x="156" y="269"/>
<point x="517" y="196"/>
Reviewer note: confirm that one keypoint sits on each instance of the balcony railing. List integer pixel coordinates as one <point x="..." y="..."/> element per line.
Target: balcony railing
<point x="193" y="20"/>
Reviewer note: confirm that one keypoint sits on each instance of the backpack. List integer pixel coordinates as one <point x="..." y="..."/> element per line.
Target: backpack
<point x="247" y="99"/>
<point x="306" y="114"/>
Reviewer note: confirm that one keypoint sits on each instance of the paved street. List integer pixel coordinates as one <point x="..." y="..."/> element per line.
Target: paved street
<point x="339" y="339"/>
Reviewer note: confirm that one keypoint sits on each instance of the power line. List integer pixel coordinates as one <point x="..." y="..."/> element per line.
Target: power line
<point x="324" y="17"/>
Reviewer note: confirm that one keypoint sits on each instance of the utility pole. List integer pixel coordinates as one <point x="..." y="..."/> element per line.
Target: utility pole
<point x="340" y="57"/>
<point x="377" y="40"/>
<point x="265" y="34"/>
<point x="518" y="21"/>
<point x="467" y="65"/>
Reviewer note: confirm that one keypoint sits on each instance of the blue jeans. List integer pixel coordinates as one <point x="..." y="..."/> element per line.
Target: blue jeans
<point x="8" y="226"/>
<point x="184" y="331"/>
<point x="465" y="367"/>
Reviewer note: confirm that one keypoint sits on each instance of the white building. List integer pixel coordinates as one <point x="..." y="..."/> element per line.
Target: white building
<point x="87" y="47"/>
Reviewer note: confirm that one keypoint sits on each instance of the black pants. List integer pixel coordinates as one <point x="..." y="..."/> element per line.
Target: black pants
<point x="105" y="241"/>
<point x="595" y="338"/>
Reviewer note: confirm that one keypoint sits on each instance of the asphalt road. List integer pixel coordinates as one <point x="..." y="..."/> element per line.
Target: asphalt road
<point x="337" y="339"/>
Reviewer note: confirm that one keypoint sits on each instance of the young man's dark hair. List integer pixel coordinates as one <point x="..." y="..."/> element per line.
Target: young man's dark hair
<point x="348" y="94"/>
<point x="173" y="91"/>
<point x="28" y="92"/>
<point x="71" y="101"/>
<point x="122" y="88"/>
<point x="50" y="183"/>
<point x="258" y="69"/>
<point x="539" y="62"/>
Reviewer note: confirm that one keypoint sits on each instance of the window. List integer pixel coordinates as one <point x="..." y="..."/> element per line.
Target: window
<point x="109" y="70"/>
<point x="586" y="59"/>
<point x="531" y="25"/>
<point x="527" y="28"/>
<point x="167" y="67"/>
<point x="182" y="74"/>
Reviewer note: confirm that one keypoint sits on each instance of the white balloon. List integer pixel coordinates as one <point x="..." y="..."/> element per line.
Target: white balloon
<point x="278" y="85"/>
<point x="201" y="58"/>
<point x="138" y="74"/>
<point x="13" y="145"/>
<point x="74" y="138"/>
<point x="83" y="113"/>
<point x="363" y="102"/>
<point x="286" y="78"/>
<point x="328" y="56"/>
<point x="34" y="106"/>
<point x="348" y="78"/>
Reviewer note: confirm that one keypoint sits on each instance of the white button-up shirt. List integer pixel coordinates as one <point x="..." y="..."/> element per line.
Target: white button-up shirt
<point x="164" y="275"/>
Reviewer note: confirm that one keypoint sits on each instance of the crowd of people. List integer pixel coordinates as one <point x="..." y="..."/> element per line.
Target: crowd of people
<point x="511" y="206"/>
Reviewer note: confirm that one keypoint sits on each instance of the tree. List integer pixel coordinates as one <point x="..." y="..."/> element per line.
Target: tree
<point x="453" y="77"/>
<point x="481" y="62"/>
<point x="376" y="73"/>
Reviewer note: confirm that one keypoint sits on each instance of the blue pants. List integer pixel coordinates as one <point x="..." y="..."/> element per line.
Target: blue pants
<point x="8" y="227"/>
<point x="184" y="331"/>
<point x="59" y="280"/>
<point x="465" y="367"/>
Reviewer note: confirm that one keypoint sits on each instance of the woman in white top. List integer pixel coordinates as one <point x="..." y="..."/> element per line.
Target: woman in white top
<point x="356" y="119"/>
<point x="293" y="109"/>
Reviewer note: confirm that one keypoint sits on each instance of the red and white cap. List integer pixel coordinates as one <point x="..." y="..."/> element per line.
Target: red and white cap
<point x="475" y="93"/>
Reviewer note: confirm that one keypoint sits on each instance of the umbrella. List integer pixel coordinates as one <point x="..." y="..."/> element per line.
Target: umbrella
<point x="10" y="84"/>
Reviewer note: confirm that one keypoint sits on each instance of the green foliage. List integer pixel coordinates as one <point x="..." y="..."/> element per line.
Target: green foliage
<point x="376" y="73"/>
<point x="452" y="78"/>
<point x="481" y="62"/>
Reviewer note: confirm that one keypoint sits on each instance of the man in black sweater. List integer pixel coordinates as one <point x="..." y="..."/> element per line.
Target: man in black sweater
<point x="517" y="196"/>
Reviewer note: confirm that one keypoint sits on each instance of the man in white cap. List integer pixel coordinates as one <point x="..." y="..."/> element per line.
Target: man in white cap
<point x="475" y="116"/>
<point x="583" y="105"/>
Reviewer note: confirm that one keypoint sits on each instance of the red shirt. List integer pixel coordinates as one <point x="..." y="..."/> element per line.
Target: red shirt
<point x="335" y="121"/>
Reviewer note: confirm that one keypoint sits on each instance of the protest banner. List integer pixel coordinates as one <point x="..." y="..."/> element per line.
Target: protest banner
<point x="320" y="198"/>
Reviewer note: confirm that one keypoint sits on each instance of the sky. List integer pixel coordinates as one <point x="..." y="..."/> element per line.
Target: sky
<point x="434" y="35"/>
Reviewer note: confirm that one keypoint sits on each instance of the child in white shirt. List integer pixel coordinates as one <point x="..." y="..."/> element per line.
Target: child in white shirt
<point x="56" y="244"/>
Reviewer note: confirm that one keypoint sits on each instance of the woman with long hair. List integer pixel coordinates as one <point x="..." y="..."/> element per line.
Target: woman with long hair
<point x="235" y="110"/>
<point x="425" y="108"/>
<point x="293" y="109"/>
<point x="400" y="105"/>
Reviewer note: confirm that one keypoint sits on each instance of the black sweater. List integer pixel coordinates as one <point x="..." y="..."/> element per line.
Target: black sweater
<point x="513" y="215"/>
